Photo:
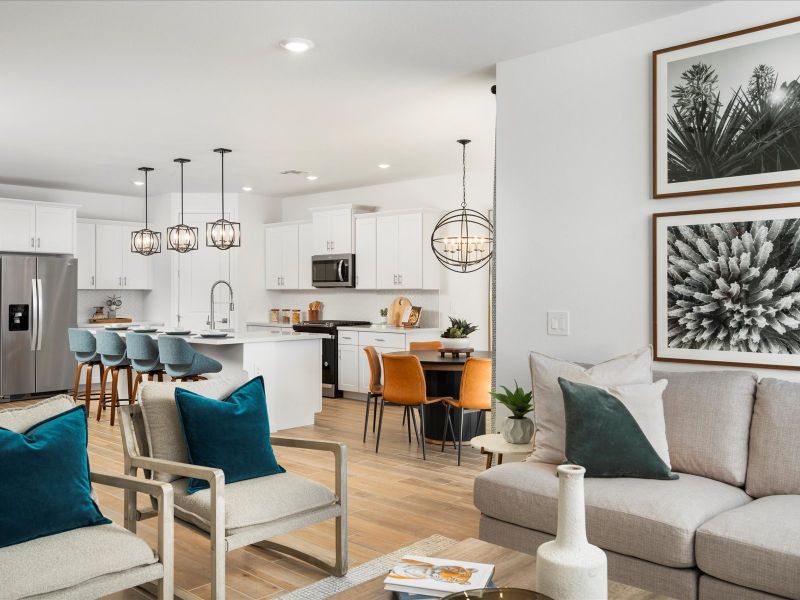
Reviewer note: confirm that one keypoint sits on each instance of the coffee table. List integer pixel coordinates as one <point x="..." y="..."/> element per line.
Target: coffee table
<point x="512" y="569"/>
<point x="493" y="443"/>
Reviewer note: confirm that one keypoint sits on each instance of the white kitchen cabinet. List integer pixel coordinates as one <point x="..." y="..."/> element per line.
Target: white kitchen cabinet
<point x="116" y="267"/>
<point x="332" y="228"/>
<point x="366" y="253"/>
<point x="282" y="256"/>
<point x="348" y="368"/>
<point x="409" y="250"/>
<point x="403" y="256"/>
<point x="55" y="229"/>
<point x="38" y="227"/>
<point x="386" y="253"/>
<point x="305" y="250"/>
<point x="85" y="253"/>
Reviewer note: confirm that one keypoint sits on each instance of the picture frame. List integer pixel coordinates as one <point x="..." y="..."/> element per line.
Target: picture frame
<point x="414" y="317"/>
<point x="726" y="112"/>
<point x="726" y="286"/>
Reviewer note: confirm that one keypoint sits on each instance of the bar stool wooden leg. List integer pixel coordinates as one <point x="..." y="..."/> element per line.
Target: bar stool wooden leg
<point x="161" y="376"/>
<point x="114" y="393"/>
<point x="77" y="381"/>
<point x="137" y="380"/>
<point x="129" y="378"/>
<point x="88" y="390"/>
<point x="103" y="379"/>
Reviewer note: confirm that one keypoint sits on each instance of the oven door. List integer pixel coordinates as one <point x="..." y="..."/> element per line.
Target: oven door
<point x="330" y="367"/>
<point x="333" y="270"/>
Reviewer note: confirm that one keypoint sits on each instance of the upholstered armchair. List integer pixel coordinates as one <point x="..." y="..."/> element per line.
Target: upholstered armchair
<point x="232" y="515"/>
<point x="88" y="562"/>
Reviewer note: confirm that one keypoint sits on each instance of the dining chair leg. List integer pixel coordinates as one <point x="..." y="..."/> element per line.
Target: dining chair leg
<point x="103" y="380"/>
<point x="380" y="425"/>
<point x="414" y="421"/>
<point x="374" y="414"/>
<point x="444" y="426"/>
<point x="460" y="436"/>
<point x="366" y="417"/>
<point x="114" y="393"/>
<point x="405" y="415"/>
<point x="407" y="422"/>
<point x="452" y="430"/>
<point x="422" y="428"/>
<point x="77" y="380"/>
<point x="478" y="424"/>
<point x="88" y="387"/>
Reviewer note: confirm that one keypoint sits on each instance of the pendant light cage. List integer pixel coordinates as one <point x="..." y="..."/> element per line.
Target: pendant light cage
<point x="145" y="241"/>
<point x="463" y="239"/>
<point x="182" y="238"/>
<point x="222" y="233"/>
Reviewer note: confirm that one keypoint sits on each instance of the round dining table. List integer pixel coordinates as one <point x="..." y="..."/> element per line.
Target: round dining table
<point x="443" y="378"/>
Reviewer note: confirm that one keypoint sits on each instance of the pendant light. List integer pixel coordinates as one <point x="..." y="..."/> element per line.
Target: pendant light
<point x="223" y="234"/>
<point x="145" y="241"/>
<point x="181" y="237"/>
<point x="463" y="239"/>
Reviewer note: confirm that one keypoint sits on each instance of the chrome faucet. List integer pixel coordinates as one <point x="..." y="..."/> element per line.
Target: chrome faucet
<point x="213" y="287"/>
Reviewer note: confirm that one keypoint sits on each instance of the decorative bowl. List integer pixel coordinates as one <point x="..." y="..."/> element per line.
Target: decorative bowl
<point x="498" y="594"/>
<point x="213" y="334"/>
<point x="455" y="343"/>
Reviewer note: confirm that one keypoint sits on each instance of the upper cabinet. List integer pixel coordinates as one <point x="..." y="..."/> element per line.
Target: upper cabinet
<point x="105" y="260"/>
<point x="332" y="228"/>
<point x="366" y="252"/>
<point x="282" y="256"/>
<point x="403" y="259"/>
<point x="305" y="245"/>
<point x="37" y="227"/>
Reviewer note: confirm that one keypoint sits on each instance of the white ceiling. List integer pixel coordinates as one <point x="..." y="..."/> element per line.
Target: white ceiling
<point x="89" y="91"/>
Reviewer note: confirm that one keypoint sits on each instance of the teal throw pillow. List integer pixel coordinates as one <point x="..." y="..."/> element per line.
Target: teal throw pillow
<point x="230" y="434"/>
<point x="604" y="437"/>
<point x="44" y="480"/>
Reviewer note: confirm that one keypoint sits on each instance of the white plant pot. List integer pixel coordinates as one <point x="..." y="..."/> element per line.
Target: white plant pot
<point x="517" y="431"/>
<point x="453" y="343"/>
<point x="569" y="567"/>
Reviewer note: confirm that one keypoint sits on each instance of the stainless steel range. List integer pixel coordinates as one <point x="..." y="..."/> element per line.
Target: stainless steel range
<point x="330" y="350"/>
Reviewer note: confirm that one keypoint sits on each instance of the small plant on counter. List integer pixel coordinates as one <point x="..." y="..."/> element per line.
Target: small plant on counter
<point x="517" y="429"/>
<point x="459" y="328"/>
<point x="384" y="312"/>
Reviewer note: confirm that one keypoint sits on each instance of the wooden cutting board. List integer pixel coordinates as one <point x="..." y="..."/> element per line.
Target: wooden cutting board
<point x="110" y="321"/>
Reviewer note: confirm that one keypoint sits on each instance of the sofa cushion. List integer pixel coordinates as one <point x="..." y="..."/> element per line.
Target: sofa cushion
<point x="774" y="467"/>
<point x="549" y="411"/>
<point x="653" y="520"/>
<point x="755" y="546"/>
<point x="254" y="501"/>
<point x="161" y="421"/>
<point x="67" y="559"/>
<point x="708" y="422"/>
<point x="23" y="418"/>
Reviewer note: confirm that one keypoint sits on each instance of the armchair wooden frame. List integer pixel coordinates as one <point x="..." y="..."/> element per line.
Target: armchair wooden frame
<point x="162" y="498"/>
<point x="136" y="455"/>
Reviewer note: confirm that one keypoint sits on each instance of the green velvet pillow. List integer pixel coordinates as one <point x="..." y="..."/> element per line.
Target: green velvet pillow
<point x="604" y="437"/>
<point x="44" y="480"/>
<point x="230" y="434"/>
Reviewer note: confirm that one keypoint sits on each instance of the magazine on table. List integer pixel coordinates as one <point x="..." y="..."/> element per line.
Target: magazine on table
<point x="436" y="577"/>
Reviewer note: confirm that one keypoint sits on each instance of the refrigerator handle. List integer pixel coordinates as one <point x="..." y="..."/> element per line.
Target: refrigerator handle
<point x="40" y="317"/>
<point x="34" y="314"/>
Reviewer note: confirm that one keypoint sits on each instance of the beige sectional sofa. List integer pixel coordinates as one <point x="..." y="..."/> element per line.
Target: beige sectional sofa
<point x="728" y="528"/>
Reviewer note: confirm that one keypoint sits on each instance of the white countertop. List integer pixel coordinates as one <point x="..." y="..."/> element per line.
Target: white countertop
<point x="389" y="329"/>
<point x="268" y="324"/>
<point x="239" y="337"/>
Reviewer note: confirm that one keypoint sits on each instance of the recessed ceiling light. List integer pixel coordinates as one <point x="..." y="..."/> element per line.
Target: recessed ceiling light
<point x="297" y="45"/>
<point x="138" y="183"/>
<point x="312" y="177"/>
<point x="247" y="188"/>
<point x="384" y="166"/>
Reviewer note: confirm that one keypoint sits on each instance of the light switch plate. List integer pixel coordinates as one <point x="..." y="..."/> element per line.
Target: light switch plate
<point x="557" y="322"/>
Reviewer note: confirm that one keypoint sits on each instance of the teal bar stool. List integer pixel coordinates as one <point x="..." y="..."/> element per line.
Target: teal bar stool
<point x="83" y="345"/>
<point x="113" y="355"/>
<point x="144" y="357"/>
<point x="183" y="362"/>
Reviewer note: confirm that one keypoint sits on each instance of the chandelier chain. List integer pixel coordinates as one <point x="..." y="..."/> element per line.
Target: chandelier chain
<point x="464" y="175"/>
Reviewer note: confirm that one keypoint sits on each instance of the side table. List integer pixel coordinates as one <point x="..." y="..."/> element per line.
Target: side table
<point x="493" y="443"/>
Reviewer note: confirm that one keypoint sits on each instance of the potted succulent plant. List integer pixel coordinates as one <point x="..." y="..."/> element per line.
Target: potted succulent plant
<point x="517" y="429"/>
<point x="457" y="335"/>
<point x="384" y="314"/>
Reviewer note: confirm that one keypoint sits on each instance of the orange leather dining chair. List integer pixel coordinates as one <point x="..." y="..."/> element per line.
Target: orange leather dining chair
<point x="476" y="382"/>
<point x="434" y="345"/>
<point x="375" y="389"/>
<point x="404" y="384"/>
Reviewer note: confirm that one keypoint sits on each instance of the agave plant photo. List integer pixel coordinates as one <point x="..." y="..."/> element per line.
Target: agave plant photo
<point x="734" y="286"/>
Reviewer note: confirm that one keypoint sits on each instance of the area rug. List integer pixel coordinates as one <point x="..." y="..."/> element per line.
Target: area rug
<point x="369" y="570"/>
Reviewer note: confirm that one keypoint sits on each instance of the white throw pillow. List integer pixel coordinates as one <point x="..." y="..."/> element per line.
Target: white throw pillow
<point x="549" y="413"/>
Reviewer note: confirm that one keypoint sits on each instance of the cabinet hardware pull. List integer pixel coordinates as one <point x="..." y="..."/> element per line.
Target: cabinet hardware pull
<point x="32" y="242"/>
<point x="380" y="340"/>
<point x="38" y="242"/>
<point x="126" y="280"/>
<point x="92" y="279"/>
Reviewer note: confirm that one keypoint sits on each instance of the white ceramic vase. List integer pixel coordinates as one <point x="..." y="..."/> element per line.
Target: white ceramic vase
<point x="569" y="567"/>
<point x="517" y="431"/>
<point x="453" y="343"/>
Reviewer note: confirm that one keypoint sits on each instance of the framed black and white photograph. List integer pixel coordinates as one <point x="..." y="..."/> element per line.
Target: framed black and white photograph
<point x="726" y="286"/>
<point x="726" y="112"/>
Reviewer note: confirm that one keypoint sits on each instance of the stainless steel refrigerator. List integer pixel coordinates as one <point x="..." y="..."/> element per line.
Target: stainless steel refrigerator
<point x="38" y="303"/>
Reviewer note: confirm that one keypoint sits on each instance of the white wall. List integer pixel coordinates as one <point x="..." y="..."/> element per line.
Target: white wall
<point x="462" y="295"/>
<point x="574" y="202"/>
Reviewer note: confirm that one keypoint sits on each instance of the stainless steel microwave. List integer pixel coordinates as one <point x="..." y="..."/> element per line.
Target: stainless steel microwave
<point x="333" y="270"/>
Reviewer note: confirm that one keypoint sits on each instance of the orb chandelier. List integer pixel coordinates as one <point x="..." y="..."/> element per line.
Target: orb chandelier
<point x="463" y="239"/>
<point x="181" y="237"/>
<point x="145" y="241"/>
<point x="223" y="234"/>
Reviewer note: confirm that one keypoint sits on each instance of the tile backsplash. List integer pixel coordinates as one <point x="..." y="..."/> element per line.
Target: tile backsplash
<point x="132" y="303"/>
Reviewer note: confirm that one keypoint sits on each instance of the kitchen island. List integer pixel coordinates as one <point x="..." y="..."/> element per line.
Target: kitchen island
<point x="290" y="363"/>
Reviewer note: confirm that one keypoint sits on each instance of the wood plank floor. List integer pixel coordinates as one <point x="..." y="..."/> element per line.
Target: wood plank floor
<point x="395" y="499"/>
